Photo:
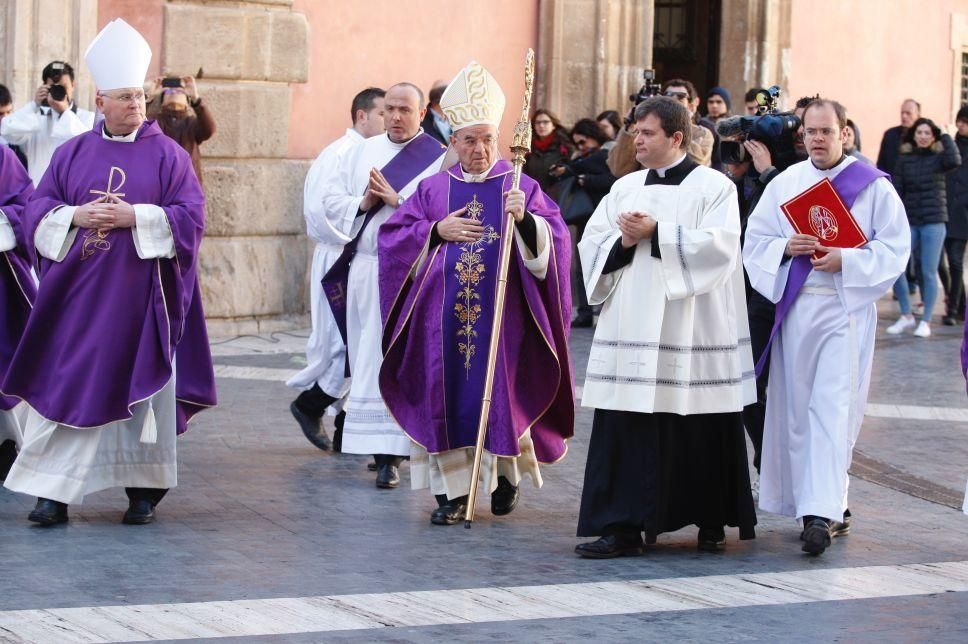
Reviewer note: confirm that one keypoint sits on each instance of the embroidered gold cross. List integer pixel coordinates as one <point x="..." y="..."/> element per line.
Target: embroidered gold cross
<point x="96" y="240"/>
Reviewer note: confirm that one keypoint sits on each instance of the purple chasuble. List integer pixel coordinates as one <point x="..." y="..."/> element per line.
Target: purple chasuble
<point x="106" y="324"/>
<point x="17" y="290"/>
<point x="848" y="183"/>
<point x="438" y="323"/>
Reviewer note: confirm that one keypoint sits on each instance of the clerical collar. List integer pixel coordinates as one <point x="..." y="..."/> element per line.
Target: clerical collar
<point x="672" y="174"/>
<point x="119" y="138"/>
<point x="843" y="157"/>
<point x="477" y="178"/>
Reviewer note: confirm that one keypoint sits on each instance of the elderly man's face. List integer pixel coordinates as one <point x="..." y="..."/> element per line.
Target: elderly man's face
<point x="909" y="113"/>
<point x="476" y="147"/>
<point x="402" y="113"/>
<point x="123" y="109"/>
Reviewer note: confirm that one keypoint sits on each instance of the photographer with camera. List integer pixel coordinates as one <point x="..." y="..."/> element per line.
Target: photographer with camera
<point x="47" y="121"/>
<point x="181" y="115"/>
<point x="749" y="144"/>
<point x="621" y="158"/>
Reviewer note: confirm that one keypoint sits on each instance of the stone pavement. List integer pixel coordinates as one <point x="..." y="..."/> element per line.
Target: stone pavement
<point x="262" y="515"/>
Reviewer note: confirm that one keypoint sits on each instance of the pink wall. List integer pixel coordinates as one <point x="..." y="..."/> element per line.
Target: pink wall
<point x="353" y="46"/>
<point x="144" y="15"/>
<point x="884" y="52"/>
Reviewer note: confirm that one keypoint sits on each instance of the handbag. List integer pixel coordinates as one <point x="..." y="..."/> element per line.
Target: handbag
<point x="574" y="201"/>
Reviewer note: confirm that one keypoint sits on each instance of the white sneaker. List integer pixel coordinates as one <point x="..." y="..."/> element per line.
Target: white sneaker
<point x="903" y="323"/>
<point x="923" y="330"/>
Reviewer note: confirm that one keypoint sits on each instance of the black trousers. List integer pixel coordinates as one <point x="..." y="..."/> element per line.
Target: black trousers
<point x="661" y="472"/>
<point x="761" y="313"/>
<point x="313" y="402"/>
<point x="954" y="250"/>
<point x="154" y="495"/>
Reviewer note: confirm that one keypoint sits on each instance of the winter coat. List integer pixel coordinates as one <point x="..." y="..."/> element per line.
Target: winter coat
<point x="958" y="194"/>
<point x="919" y="178"/>
<point x="538" y="164"/>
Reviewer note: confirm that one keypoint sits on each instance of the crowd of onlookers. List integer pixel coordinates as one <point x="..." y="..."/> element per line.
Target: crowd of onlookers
<point x="41" y="125"/>
<point x="576" y="166"/>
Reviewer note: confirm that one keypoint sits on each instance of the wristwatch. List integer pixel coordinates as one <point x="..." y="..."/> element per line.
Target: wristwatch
<point x="400" y="200"/>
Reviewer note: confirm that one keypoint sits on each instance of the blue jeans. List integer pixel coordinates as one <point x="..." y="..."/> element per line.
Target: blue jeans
<point x="928" y="239"/>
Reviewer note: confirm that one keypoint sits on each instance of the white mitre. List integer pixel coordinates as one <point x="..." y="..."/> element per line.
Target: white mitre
<point x="473" y="98"/>
<point x="118" y="57"/>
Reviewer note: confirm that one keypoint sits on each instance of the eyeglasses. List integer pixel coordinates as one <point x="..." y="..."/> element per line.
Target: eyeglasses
<point x="677" y="94"/>
<point x="127" y="97"/>
<point x="542" y="122"/>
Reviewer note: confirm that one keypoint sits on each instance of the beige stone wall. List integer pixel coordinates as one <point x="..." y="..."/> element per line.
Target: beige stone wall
<point x="255" y="254"/>
<point x="755" y="47"/>
<point x="591" y="54"/>
<point x="34" y="33"/>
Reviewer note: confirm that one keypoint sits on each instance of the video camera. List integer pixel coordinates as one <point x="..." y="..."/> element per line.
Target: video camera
<point x="769" y="126"/>
<point x="649" y="89"/>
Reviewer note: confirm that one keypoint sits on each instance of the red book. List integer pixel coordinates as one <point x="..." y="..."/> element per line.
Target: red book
<point x="819" y="211"/>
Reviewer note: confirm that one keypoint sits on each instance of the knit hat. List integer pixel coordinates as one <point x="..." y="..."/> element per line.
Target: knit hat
<point x="722" y="92"/>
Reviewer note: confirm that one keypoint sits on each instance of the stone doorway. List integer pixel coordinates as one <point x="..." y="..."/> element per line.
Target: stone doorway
<point x="685" y="41"/>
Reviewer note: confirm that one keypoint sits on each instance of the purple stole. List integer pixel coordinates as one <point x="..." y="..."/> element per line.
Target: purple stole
<point x="400" y="171"/>
<point x="470" y="285"/>
<point x="848" y="184"/>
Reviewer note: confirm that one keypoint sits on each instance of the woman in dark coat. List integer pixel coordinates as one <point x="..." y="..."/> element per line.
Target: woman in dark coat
<point x="588" y="172"/>
<point x="550" y="146"/>
<point x="926" y="156"/>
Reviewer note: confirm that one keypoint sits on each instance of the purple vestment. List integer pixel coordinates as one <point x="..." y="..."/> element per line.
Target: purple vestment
<point x="106" y="324"/>
<point x="438" y="323"/>
<point x="17" y="288"/>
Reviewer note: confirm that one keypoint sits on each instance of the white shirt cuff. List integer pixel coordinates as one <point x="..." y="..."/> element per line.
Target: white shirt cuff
<point x="152" y="232"/>
<point x="8" y="241"/>
<point x="55" y="235"/>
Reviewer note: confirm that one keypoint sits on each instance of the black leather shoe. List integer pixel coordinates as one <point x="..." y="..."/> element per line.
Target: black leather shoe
<point x="140" y="512"/>
<point x="816" y="536"/>
<point x="387" y="476"/>
<point x="8" y="454"/>
<point x="452" y="512"/>
<point x="948" y="320"/>
<point x="312" y="428"/>
<point x="712" y="539"/>
<point x="48" y="512"/>
<point x="504" y="498"/>
<point x="837" y="528"/>
<point x="611" y="546"/>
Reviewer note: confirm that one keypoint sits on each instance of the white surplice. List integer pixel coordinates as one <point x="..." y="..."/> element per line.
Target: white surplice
<point x="673" y="334"/>
<point x="820" y="362"/>
<point x="369" y="427"/>
<point x="66" y="463"/>
<point x="325" y="351"/>
<point x="40" y="130"/>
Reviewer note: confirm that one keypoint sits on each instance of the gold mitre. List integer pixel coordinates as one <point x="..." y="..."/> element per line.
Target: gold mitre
<point x="473" y="98"/>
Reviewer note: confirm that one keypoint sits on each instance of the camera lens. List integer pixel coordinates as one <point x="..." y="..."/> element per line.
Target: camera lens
<point x="57" y="92"/>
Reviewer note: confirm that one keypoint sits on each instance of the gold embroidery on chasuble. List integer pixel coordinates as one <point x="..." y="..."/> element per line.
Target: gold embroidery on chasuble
<point x="97" y="240"/>
<point x="471" y="270"/>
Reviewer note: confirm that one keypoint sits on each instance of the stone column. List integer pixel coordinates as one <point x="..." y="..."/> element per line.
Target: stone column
<point x="754" y="47"/>
<point x="35" y="32"/>
<point x="591" y="54"/>
<point x="254" y="258"/>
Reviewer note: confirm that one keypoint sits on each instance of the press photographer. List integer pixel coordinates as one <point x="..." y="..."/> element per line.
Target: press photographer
<point x="182" y="115"/>
<point x="47" y="121"/>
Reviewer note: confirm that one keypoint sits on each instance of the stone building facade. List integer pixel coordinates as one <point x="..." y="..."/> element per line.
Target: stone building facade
<point x="279" y="76"/>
